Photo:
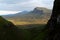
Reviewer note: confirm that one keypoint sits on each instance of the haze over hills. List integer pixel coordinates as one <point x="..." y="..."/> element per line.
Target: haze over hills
<point x="39" y="15"/>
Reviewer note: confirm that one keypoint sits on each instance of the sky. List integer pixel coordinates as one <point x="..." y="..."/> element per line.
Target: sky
<point x="15" y="6"/>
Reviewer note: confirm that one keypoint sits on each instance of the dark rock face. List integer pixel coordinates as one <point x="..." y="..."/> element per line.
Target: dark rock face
<point x="37" y="11"/>
<point x="8" y="31"/>
<point x="54" y="22"/>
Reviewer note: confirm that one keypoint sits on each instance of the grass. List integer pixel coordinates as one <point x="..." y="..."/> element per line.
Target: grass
<point x="27" y="22"/>
<point x="33" y="31"/>
<point x="25" y="32"/>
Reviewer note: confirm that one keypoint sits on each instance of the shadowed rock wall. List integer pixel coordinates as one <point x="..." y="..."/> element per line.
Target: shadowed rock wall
<point x="54" y="22"/>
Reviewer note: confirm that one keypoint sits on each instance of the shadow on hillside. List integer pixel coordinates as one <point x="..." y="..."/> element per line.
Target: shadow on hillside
<point x="32" y="31"/>
<point x="30" y="26"/>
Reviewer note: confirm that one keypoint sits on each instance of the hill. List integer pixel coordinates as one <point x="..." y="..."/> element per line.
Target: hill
<point x="38" y="15"/>
<point x="8" y="31"/>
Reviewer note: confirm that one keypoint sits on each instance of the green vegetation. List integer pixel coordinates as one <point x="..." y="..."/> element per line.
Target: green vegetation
<point x="33" y="32"/>
<point x="7" y="30"/>
<point x="22" y="32"/>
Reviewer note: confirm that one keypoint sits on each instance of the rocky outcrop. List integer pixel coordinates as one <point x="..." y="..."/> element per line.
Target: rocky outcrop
<point x="37" y="11"/>
<point x="54" y="22"/>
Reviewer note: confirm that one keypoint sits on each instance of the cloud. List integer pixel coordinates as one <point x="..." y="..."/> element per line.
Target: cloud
<point x="8" y="12"/>
<point x="10" y="6"/>
<point x="19" y="5"/>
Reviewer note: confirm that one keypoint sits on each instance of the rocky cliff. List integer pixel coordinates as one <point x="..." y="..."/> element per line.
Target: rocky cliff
<point x="53" y="24"/>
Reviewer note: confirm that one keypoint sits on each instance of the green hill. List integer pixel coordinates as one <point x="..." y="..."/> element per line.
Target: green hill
<point x="7" y="30"/>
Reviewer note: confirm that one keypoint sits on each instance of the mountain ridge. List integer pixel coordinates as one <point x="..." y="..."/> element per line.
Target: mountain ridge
<point x="37" y="14"/>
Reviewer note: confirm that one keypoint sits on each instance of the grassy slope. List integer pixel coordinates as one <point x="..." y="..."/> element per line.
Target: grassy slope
<point x="28" y="32"/>
<point x="33" y="33"/>
<point x="36" y="21"/>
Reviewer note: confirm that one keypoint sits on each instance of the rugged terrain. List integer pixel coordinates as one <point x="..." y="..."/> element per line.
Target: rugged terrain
<point x="38" y="15"/>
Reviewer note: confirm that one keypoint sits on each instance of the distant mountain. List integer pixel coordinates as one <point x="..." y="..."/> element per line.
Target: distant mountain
<point x="38" y="14"/>
<point x="17" y="14"/>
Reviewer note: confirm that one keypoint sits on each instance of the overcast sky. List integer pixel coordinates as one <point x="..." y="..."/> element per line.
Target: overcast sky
<point x="13" y="6"/>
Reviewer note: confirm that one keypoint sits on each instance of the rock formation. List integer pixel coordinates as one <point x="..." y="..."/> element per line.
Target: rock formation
<point x="54" y="22"/>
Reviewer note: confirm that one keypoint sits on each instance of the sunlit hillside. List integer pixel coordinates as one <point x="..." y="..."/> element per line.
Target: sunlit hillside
<point x="38" y="15"/>
<point x="37" y="21"/>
